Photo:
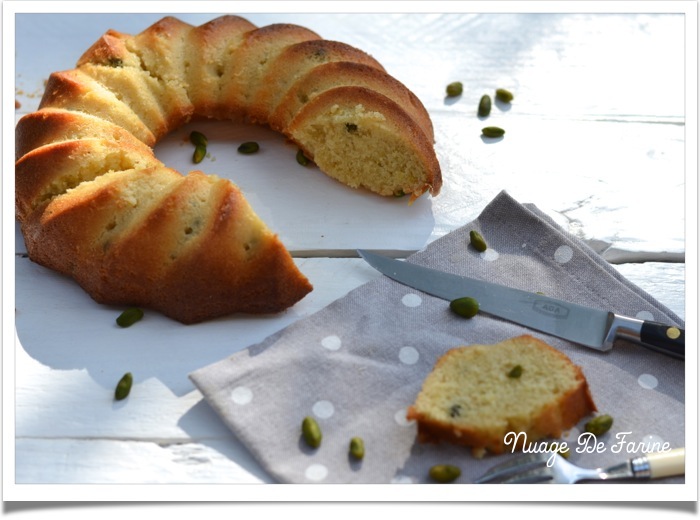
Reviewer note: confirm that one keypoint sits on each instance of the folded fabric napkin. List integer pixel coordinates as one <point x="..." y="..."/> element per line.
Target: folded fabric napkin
<point x="356" y="365"/>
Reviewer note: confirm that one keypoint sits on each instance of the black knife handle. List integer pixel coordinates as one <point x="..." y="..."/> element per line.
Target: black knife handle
<point x="666" y="339"/>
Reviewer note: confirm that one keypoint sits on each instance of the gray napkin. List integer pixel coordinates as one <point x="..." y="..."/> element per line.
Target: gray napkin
<point x="357" y="364"/>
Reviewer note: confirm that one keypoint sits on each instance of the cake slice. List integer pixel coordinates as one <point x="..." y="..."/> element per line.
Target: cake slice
<point x="476" y="395"/>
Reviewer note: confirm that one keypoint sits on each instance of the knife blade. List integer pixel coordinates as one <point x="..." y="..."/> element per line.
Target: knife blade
<point x="590" y="327"/>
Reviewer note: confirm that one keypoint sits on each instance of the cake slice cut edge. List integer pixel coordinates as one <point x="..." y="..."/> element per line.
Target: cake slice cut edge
<point x="472" y="397"/>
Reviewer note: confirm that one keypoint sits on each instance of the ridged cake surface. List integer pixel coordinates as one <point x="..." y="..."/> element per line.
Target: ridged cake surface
<point x="94" y="202"/>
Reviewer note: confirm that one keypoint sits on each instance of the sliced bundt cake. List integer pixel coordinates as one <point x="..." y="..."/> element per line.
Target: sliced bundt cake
<point x="95" y="203"/>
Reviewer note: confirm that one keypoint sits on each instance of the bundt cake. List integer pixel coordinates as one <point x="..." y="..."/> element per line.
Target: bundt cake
<point x="476" y="395"/>
<point x="94" y="202"/>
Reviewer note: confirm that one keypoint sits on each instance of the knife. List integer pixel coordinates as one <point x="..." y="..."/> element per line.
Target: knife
<point x="594" y="328"/>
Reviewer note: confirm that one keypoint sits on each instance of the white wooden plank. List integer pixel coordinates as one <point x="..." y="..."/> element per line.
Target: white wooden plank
<point x="604" y="190"/>
<point x="665" y="281"/>
<point x="105" y="461"/>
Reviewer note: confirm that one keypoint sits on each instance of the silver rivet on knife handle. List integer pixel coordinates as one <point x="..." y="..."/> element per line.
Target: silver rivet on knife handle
<point x="622" y="327"/>
<point x="669" y="340"/>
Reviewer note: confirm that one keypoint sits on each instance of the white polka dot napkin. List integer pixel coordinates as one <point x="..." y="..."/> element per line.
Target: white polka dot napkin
<point x="356" y="365"/>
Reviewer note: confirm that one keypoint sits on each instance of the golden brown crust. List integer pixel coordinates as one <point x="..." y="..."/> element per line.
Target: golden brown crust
<point x="293" y="62"/>
<point x="109" y="49"/>
<point x="136" y="89"/>
<point x="210" y="47"/>
<point x="551" y="421"/>
<point x="71" y="233"/>
<point x="251" y="60"/>
<point x="263" y="275"/>
<point x="75" y="90"/>
<point x="126" y="243"/>
<point x="162" y="50"/>
<point x="146" y="72"/>
<point x="55" y="168"/>
<point x="52" y="125"/>
<point x="163" y="32"/>
<point x="343" y="73"/>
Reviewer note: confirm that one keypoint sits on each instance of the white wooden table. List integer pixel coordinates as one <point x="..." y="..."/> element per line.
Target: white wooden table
<point x="596" y="137"/>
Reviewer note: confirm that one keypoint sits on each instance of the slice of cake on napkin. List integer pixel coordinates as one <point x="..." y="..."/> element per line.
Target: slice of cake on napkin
<point x="476" y="395"/>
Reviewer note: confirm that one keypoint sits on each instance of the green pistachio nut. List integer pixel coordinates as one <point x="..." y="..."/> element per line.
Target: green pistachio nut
<point x="311" y="432"/>
<point x="477" y="241"/>
<point x="123" y="387"/>
<point x="467" y="307"/>
<point x="357" y="448"/>
<point x="198" y="138"/>
<point x="493" y="131"/>
<point x="515" y="372"/>
<point x="302" y="159"/>
<point x="445" y="473"/>
<point x="200" y="151"/>
<point x="129" y="317"/>
<point x="504" y="95"/>
<point x="454" y="89"/>
<point x="484" y="106"/>
<point x="248" y="148"/>
<point x="599" y="425"/>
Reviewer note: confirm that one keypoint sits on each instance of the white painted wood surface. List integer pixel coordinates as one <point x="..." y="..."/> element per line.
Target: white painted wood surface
<point x="596" y="137"/>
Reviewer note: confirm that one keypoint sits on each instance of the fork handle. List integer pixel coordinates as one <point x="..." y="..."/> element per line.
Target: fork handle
<point x="660" y="464"/>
